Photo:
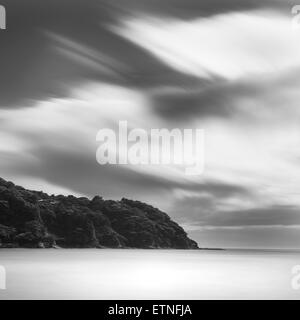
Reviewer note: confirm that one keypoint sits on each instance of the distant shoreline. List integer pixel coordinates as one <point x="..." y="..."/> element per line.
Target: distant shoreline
<point x="261" y="250"/>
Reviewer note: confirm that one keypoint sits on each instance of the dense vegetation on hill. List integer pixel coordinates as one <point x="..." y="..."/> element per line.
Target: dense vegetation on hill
<point x="35" y="219"/>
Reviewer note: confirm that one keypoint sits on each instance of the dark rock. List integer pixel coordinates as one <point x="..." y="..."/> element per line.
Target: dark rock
<point x="36" y="220"/>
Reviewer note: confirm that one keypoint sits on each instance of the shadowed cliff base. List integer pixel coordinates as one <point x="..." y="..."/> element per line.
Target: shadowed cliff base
<point x="33" y="219"/>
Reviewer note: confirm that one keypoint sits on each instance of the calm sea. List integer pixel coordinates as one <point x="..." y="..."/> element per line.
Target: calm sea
<point x="148" y="274"/>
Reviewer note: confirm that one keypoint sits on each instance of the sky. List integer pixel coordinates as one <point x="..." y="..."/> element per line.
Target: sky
<point x="69" y="68"/>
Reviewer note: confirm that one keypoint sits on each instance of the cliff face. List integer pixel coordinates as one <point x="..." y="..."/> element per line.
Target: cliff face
<point x="35" y="219"/>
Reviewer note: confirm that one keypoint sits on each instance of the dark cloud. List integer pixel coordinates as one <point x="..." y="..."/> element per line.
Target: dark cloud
<point x="32" y="68"/>
<point x="191" y="9"/>
<point x="213" y="100"/>
<point x="217" y="98"/>
<point x="204" y="213"/>
<point x="222" y="98"/>
<point x="29" y="69"/>
<point x="262" y="237"/>
<point x="78" y="171"/>
<point x="219" y="189"/>
<point x="273" y="215"/>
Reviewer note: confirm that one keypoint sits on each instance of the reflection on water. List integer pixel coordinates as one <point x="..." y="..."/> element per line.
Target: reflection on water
<point x="147" y="274"/>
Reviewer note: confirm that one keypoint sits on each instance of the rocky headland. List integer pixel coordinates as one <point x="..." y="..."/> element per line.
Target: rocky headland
<point x="34" y="219"/>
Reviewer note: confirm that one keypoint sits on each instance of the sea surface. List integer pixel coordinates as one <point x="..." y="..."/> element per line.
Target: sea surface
<point x="148" y="274"/>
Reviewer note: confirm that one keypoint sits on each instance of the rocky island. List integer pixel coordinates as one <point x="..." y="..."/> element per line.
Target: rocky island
<point x="34" y="219"/>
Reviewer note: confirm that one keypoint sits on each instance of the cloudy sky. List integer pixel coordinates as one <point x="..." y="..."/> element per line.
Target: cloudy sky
<point x="69" y="68"/>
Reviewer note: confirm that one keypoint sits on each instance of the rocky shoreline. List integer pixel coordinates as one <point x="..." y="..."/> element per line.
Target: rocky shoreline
<point x="34" y="219"/>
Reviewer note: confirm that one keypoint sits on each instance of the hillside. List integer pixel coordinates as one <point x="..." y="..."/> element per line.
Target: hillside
<point x="37" y="220"/>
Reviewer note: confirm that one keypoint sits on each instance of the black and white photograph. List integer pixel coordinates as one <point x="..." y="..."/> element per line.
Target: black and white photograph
<point x="149" y="150"/>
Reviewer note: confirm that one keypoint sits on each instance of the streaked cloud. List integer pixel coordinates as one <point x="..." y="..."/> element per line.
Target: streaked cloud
<point x="226" y="45"/>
